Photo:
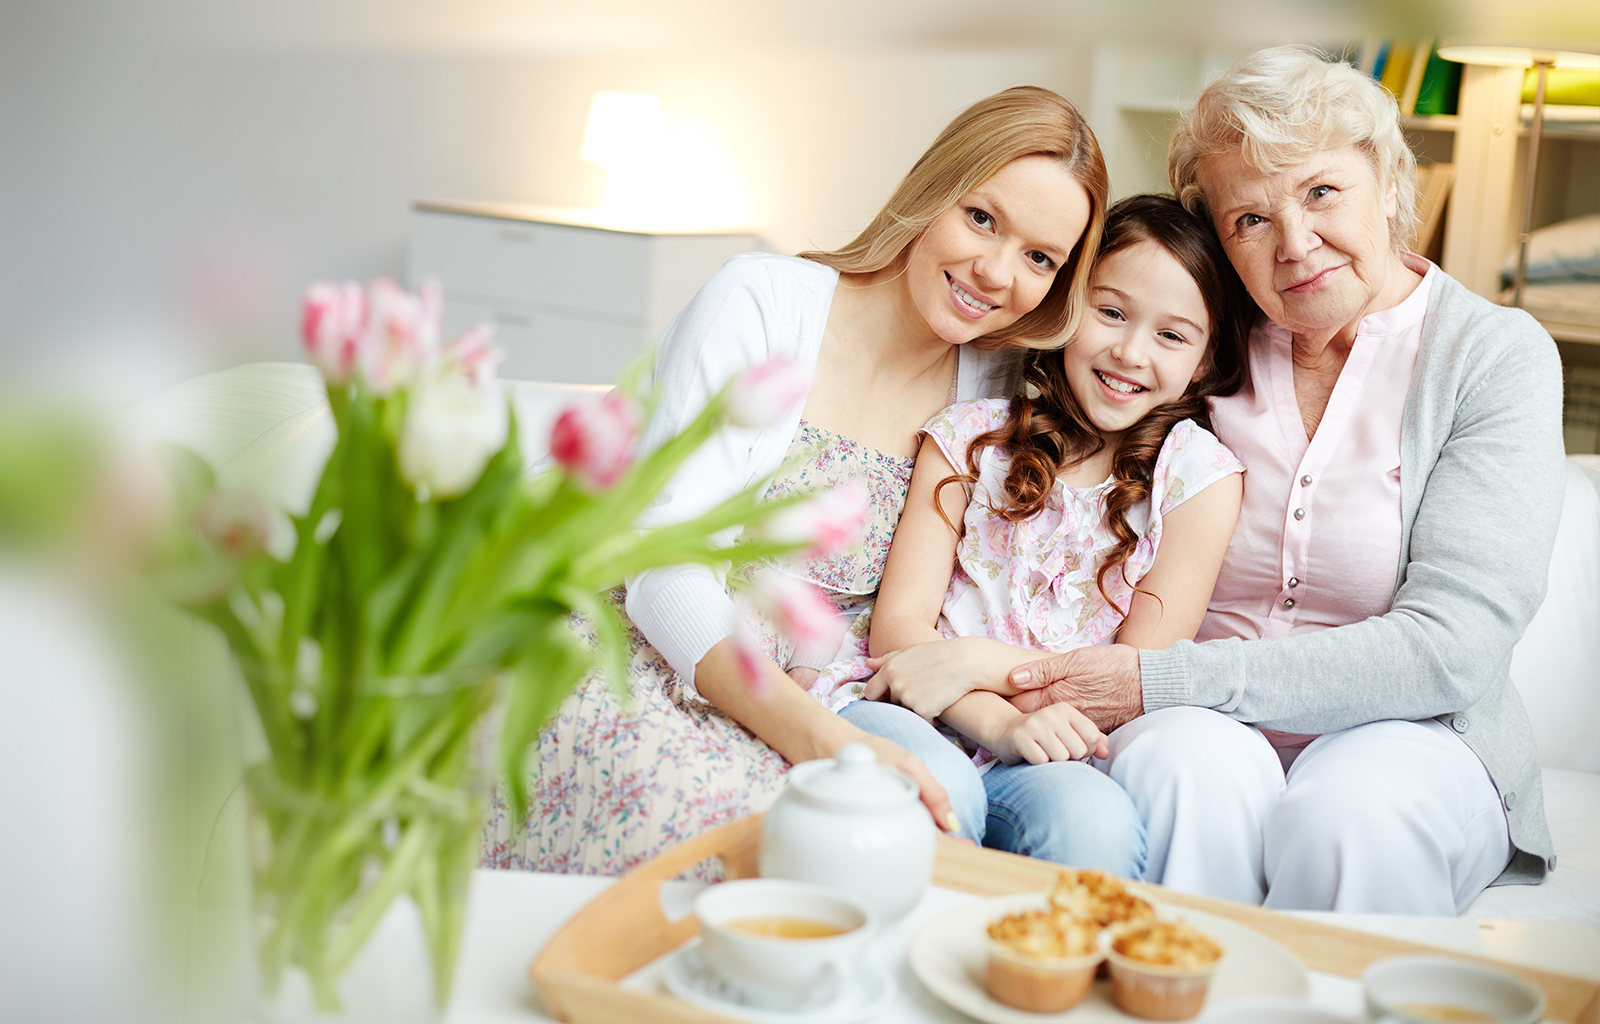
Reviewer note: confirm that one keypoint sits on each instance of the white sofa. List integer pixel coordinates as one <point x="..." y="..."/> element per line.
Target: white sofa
<point x="267" y="426"/>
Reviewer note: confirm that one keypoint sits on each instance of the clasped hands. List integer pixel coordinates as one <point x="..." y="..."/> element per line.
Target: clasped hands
<point x="1064" y="700"/>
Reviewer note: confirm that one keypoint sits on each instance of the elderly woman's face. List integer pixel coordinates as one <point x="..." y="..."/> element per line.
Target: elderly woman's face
<point x="1311" y="242"/>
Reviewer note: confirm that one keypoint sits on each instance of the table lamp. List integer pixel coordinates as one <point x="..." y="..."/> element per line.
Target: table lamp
<point x="1513" y="56"/>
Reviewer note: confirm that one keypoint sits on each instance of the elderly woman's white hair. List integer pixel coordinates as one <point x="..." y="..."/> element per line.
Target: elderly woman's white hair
<point x="1279" y="107"/>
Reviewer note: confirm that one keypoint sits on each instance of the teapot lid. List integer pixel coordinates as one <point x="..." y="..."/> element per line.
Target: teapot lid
<point x="852" y="781"/>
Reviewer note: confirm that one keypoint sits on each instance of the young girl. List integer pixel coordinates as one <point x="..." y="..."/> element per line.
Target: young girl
<point x="1093" y="506"/>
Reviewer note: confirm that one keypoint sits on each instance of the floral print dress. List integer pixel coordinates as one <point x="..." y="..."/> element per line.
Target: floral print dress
<point x="1032" y="583"/>
<point x="612" y="784"/>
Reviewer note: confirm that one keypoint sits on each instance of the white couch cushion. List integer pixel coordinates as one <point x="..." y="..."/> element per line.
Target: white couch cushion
<point x="266" y="426"/>
<point x="1556" y="666"/>
<point x="1572" y="891"/>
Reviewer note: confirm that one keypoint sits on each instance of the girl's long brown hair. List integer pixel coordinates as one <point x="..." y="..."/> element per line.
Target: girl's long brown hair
<point x="1046" y="431"/>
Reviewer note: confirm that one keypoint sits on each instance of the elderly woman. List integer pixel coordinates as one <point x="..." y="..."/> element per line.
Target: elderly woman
<point x="1365" y="749"/>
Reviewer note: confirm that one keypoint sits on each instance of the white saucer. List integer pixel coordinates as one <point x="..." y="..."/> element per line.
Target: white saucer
<point x="690" y="979"/>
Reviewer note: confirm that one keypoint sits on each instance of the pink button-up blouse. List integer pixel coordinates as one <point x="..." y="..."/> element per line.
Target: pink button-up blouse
<point x="1318" y="540"/>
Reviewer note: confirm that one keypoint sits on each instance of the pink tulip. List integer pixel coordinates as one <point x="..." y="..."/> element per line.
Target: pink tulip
<point x="800" y="610"/>
<point x="235" y="522"/>
<point x="830" y="522"/>
<point x="402" y="334"/>
<point x="332" y="325"/>
<point x="763" y="393"/>
<point x="749" y="658"/>
<point x="474" y="354"/>
<point x="597" y="442"/>
<point x="430" y="314"/>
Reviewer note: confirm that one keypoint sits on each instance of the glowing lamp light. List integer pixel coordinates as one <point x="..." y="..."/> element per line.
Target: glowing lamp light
<point x="662" y="180"/>
<point x="624" y="130"/>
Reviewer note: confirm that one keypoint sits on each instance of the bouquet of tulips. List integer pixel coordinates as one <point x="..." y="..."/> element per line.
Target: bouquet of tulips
<point x="430" y="580"/>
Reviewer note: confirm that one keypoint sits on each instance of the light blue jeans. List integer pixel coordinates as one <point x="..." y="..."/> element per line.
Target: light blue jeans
<point x="1063" y="811"/>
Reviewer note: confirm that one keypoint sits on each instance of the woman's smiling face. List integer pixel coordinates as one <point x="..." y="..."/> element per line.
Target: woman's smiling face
<point x="992" y="257"/>
<point x="1311" y="242"/>
<point x="1143" y="338"/>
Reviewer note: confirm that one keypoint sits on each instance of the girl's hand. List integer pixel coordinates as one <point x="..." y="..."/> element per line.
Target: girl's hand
<point x="926" y="677"/>
<point x="1059" y="732"/>
<point x="929" y="677"/>
<point x="803" y="676"/>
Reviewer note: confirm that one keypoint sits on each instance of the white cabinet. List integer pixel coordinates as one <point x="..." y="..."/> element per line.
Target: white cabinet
<point x="572" y="301"/>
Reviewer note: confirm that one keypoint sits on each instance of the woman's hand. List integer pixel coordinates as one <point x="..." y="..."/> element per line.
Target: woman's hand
<point x="799" y="728"/>
<point x="803" y="676"/>
<point x="1103" y="682"/>
<point x="934" y="796"/>
<point x="1057" y="732"/>
<point x="929" y="677"/>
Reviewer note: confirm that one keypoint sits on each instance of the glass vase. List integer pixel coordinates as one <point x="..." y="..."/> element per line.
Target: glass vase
<point x="362" y="851"/>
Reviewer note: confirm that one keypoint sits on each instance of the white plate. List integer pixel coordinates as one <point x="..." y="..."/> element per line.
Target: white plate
<point x="951" y="953"/>
<point x="689" y="978"/>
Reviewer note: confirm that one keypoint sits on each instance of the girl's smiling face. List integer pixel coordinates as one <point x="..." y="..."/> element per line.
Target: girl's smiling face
<point x="1143" y="341"/>
<point x="992" y="257"/>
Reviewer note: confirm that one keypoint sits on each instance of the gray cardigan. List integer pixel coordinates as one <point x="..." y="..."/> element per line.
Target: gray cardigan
<point x="1481" y="482"/>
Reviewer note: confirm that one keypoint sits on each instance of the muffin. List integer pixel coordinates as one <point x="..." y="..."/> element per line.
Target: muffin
<point x="1100" y="897"/>
<point x="1161" y="970"/>
<point x="1042" y="960"/>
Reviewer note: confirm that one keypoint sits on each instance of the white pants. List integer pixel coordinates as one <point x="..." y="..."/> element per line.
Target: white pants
<point x="1391" y="817"/>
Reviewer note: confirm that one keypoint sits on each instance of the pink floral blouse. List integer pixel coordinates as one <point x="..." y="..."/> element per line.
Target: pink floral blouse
<point x="1032" y="583"/>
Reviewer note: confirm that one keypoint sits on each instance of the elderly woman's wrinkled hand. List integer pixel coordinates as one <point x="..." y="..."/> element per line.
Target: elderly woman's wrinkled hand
<point x="929" y="677"/>
<point x="1102" y="682"/>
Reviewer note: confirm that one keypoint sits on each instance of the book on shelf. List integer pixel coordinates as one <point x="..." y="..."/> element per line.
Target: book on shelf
<point x="1433" y="190"/>
<point x="1439" y="89"/>
<point x="1397" y="69"/>
<point x="1374" y="53"/>
<point x="1423" y="83"/>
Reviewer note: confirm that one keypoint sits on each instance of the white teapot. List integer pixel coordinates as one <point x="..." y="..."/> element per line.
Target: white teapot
<point x="853" y="825"/>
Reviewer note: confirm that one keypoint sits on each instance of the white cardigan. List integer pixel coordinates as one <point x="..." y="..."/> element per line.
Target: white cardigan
<point x="756" y="308"/>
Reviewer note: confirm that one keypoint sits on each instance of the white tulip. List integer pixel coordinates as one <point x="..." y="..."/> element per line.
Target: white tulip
<point x="451" y="430"/>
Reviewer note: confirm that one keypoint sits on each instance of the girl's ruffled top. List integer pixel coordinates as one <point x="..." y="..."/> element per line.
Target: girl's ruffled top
<point x="1032" y="583"/>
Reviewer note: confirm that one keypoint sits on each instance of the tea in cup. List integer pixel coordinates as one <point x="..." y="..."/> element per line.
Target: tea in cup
<point x="1427" y="990"/>
<point x="782" y="944"/>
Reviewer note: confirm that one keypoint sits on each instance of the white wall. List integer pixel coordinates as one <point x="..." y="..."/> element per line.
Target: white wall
<point x="219" y="181"/>
<point x="212" y="156"/>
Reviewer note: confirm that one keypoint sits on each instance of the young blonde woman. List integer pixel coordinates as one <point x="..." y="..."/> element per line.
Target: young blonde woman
<point x="983" y="248"/>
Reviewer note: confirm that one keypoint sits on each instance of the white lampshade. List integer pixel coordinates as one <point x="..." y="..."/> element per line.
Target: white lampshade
<point x="1514" y="56"/>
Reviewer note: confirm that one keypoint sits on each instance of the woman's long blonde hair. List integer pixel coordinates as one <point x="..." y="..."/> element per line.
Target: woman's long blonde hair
<point x="1024" y="121"/>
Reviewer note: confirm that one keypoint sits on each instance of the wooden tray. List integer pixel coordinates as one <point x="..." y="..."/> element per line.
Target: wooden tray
<point x="624" y="929"/>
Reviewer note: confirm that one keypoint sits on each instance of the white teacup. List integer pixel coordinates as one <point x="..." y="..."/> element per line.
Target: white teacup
<point x="778" y="969"/>
<point x="1426" y="989"/>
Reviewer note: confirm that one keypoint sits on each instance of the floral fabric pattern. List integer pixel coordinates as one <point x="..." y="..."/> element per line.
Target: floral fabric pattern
<point x="615" y="781"/>
<point x="1032" y="583"/>
<point x="819" y="460"/>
